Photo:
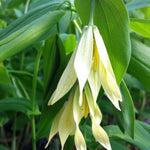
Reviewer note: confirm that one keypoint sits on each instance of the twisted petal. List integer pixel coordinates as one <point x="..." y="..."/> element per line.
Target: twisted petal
<point x="79" y="140"/>
<point x="96" y="116"/>
<point x="54" y="128"/>
<point x="83" y="59"/>
<point x="110" y="86"/>
<point x="66" y="123"/>
<point x="78" y="111"/>
<point x="100" y="135"/>
<point x="66" y="81"/>
<point x="94" y="109"/>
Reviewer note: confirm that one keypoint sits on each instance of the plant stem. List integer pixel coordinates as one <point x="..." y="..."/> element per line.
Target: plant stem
<point x="26" y="6"/>
<point x="77" y="26"/>
<point x="23" y="54"/>
<point x="13" y="146"/>
<point x="33" y="97"/>
<point x="92" y="13"/>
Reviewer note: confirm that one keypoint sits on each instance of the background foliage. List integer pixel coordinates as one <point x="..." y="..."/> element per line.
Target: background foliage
<point x="37" y="39"/>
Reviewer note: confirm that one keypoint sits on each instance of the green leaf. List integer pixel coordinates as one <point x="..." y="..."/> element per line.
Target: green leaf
<point x="18" y="104"/>
<point x="50" y="56"/>
<point x="15" y="104"/>
<point x="117" y="146"/>
<point x="126" y="118"/>
<point x="141" y="138"/>
<point x="139" y="65"/>
<point x="140" y="26"/>
<point x="111" y="17"/>
<point x="69" y="42"/>
<point x="29" y="17"/>
<point x="137" y="4"/>
<point x="29" y="34"/>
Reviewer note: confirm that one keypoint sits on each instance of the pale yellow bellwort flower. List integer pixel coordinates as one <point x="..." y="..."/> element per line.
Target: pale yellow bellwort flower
<point x="89" y="62"/>
<point x="68" y="118"/>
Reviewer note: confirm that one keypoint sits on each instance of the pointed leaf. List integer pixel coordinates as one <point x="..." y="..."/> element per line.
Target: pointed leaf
<point x="15" y="104"/>
<point x="141" y="139"/>
<point x="12" y="44"/>
<point x="126" y="117"/>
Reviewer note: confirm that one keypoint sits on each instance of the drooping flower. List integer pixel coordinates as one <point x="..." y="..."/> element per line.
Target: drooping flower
<point x="68" y="118"/>
<point x="90" y="68"/>
<point x="89" y="61"/>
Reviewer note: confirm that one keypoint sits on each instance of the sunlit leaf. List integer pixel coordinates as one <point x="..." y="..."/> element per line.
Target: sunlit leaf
<point x="141" y="26"/>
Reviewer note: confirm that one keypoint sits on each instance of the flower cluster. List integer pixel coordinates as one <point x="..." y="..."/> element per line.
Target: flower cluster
<point x="89" y="68"/>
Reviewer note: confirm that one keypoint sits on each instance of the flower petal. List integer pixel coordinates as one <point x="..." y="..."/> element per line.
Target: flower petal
<point x="78" y="111"/>
<point x="83" y="59"/>
<point x="66" y="81"/>
<point x="79" y="140"/>
<point x="110" y="86"/>
<point x="102" y="51"/>
<point x="94" y="109"/>
<point x="94" y="82"/>
<point x="54" y="128"/>
<point x="101" y="47"/>
<point x="66" y="123"/>
<point x="100" y="135"/>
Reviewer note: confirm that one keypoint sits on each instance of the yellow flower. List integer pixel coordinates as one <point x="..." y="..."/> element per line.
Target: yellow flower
<point x="89" y="61"/>
<point x="67" y="120"/>
<point x="90" y="67"/>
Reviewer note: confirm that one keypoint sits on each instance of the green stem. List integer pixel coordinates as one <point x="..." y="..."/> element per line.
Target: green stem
<point x="77" y="26"/>
<point x="26" y="6"/>
<point x="92" y="13"/>
<point x="13" y="146"/>
<point x="33" y="97"/>
<point x="23" y="54"/>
